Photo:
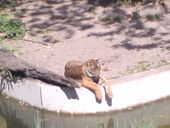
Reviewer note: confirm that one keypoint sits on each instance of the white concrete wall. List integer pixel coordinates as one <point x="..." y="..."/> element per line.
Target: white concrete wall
<point x="80" y="100"/>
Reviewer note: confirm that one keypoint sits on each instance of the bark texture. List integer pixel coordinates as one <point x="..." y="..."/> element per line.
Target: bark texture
<point x="22" y="68"/>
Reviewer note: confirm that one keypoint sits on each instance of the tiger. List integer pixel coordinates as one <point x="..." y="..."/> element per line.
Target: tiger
<point x="88" y="74"/>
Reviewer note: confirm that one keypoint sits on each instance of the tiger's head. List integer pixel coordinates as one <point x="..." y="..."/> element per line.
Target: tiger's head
<point x="93" y="68"/>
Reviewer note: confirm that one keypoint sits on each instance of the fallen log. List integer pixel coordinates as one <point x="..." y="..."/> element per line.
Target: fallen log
<point x="22" y="68"/>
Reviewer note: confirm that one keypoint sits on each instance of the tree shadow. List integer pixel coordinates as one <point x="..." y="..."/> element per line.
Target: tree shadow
<point x="130" y="46"/>
<point x="134" y="30"/>
<point x="109" y="33"/>
<point x="116" y="16"/>
<point x="138" y="30"/>
<point x="53" y="21"/>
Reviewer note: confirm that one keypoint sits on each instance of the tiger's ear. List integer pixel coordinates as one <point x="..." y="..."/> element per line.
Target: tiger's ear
<point x="102" y="62"/>
<point x="97" y="60"/>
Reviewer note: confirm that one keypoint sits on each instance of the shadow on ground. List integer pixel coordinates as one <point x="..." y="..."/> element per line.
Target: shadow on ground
<point x="52" y="21"/>
<point x="136" y="29"/>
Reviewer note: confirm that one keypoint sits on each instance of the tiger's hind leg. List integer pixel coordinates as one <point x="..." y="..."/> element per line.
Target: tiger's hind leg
<point x="86" y="82"/>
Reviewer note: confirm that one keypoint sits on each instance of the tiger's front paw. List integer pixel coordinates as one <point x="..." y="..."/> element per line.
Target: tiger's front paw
<point x="109" y="92"/>
<point x="98" y="95"/>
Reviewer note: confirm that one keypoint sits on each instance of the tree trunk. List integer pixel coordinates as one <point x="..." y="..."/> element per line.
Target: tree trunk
<point x="22" y="68"/>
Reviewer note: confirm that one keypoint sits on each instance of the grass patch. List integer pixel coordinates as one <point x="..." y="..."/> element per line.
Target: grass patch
<point x="155" y="17"/>
<point x="6" y="78"/>
<point x="13" y="49"/>
<point x="10" y="116"/>
<point x="11" y="28"/>
<point x="9" y="3"/>
<point x="139" y="67"/>
<point x="136" y="123"/>
<point x="38" y="121"/>
<point x="136" y="15"/>
<point x="146" y="65"/>
<point x="133" y="2"/>
<point x="163" y="63"/>
<point x="110" y="19"/>
<point x="139" y="124"/>
<point x="5" y="3"/>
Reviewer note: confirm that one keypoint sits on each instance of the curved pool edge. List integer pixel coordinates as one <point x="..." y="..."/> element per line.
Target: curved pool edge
<point x="127" y="93"/>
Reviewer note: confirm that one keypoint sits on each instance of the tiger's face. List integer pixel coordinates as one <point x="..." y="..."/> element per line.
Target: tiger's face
<point x="93" y="68"/>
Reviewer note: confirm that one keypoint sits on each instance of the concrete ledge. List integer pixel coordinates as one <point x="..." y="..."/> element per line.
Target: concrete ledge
<point x="129" y="93"/>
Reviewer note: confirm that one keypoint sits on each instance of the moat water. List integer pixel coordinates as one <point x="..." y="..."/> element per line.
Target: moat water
<point x="16" y="115"/>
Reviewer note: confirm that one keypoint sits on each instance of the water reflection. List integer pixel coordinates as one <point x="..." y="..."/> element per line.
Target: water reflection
<point x="165" y="126"/>
<point x="110" y="124"/>
<point x="3" y="123"/>
<point x="8" y="117"/>
<point x="153" y="115"/>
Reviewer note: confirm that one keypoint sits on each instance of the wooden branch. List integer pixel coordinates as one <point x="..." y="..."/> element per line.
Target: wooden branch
<point x="22" y="68"/>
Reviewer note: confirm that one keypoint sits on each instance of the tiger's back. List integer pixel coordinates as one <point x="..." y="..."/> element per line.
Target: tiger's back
<point x="73" y="70"/>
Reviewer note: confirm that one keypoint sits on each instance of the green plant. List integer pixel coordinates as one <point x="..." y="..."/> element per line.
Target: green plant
<point x="133" y="2"/>
<point x="5" y="3"/>
<point x="143" y="124"/>
<point x="110" y="124"/>
<point x="6" y="78"/>
<point x="11" y="28"/>
<point x="139" y="124"/>
<point x="147" y="1"/>
<point x="10" y="116"/>
<point x="135" y="15"/>
<point x="19" y="14"/>
<point x="153" y="17"/>
<point x="164" y="126"/>
<point x="13" y="49"/>
<point x="1" y="39"/>
<point x="117" y="19"/>
<point x="109" y="19"/>
<point x="122" y="2"/>
<point x="3" y="123"/>
<point x="9" y="3"/>
<point x="38" y="121"/>
<point x="100" y="125"/>
<point x="162" y="63"/>
<point x="140" y="66"/>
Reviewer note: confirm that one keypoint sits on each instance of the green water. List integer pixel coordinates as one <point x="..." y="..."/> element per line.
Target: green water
<point x="16" y="115"/>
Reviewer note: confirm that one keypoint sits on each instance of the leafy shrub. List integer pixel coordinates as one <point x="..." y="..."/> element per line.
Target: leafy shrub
<point x="11" y="27"/>
<point x="136" y="15"/>
<point x="139" y="67"/>
<point x="9" y="3"/>
<point x="5" y="3"/>
<point x="6" y="77"/>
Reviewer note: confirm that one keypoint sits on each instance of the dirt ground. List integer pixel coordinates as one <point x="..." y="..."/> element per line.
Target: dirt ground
<point x="66" y="30"/>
